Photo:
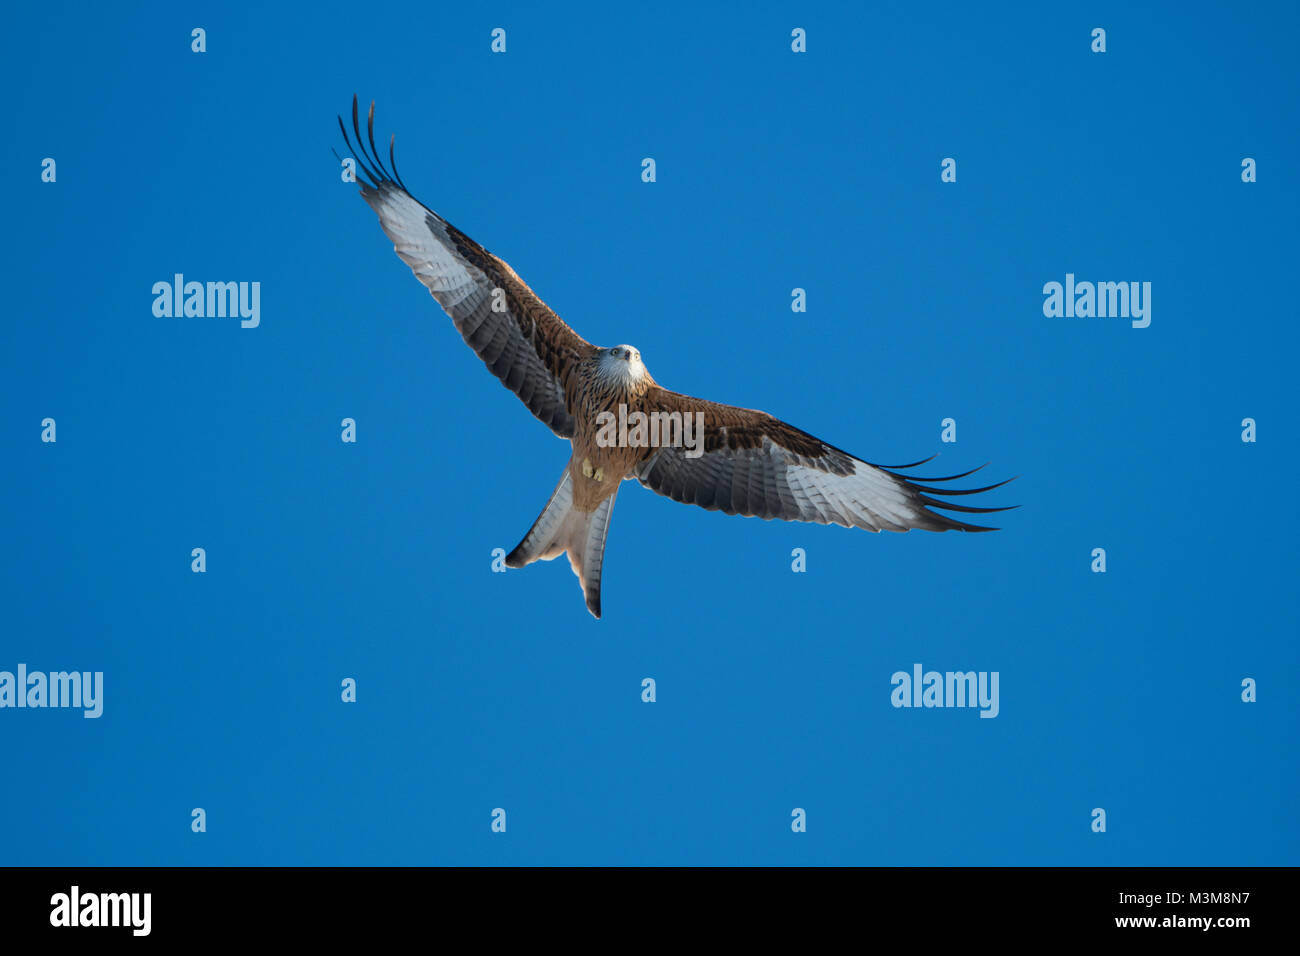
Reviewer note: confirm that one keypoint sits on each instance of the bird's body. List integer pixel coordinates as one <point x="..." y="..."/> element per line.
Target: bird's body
<point x="620" y="422"/>
<point x="599" y="385"/>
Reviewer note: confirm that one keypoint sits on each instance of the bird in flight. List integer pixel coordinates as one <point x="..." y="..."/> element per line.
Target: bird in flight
<point x="622" y="424"/>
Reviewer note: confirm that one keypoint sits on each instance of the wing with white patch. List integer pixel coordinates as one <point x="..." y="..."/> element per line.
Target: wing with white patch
<point x="522" y="342"/>
<point x="754" y="464"/>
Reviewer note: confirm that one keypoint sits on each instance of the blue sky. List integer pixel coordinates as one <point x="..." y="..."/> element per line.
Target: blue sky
<point x="775" y="170"/>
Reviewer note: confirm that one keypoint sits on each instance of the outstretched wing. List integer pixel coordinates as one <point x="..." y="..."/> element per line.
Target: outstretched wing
<point x="526" y="345"/>
<point x="754" y="464"/>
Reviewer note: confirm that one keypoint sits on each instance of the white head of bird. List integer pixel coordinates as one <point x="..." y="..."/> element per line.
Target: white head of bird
<point x="622" y="366"/>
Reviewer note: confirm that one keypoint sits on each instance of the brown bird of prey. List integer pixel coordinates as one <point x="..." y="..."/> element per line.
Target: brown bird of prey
<point x="621" y="423"/>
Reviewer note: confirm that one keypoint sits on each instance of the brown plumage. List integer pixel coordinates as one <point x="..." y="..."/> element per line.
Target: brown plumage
<point x="739" y="461"/>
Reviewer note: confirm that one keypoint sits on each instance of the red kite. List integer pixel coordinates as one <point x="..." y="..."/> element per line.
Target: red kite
<point x="620" y="422"/>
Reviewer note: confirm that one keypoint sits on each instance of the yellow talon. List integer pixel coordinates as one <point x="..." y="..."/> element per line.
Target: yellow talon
<point x="600" y="474"/>
<point x="586" y="468"/>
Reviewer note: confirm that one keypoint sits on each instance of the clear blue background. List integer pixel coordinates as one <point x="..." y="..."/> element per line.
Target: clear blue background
<point x="480" y="690"/>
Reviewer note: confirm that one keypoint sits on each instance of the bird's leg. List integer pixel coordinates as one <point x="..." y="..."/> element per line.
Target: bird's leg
<point x="586" y="468"/>
<point x="595" y="474"/>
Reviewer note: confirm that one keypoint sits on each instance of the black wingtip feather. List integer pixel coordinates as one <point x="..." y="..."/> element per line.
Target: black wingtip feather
<point x="392" y="158"/>
<point x="938" y="522"/>
<point x="958" y="491"/>
<point x="948" y="477"/>
<point x="363" y="158"/>
<point x="370" y="161"/>
<point x="912" y="465"/>
<point x="370" y="132"/>
<point x="967" y="509"/>
<point x="365" y="169"/>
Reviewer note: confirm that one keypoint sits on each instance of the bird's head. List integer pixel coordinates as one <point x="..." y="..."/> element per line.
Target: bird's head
<point x="622" y="363"/>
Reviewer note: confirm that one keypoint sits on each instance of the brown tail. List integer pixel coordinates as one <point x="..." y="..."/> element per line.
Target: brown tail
<point x="562" y="529"/>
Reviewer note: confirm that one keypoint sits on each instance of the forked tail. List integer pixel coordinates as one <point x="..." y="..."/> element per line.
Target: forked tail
<point x="561" y="528"/>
